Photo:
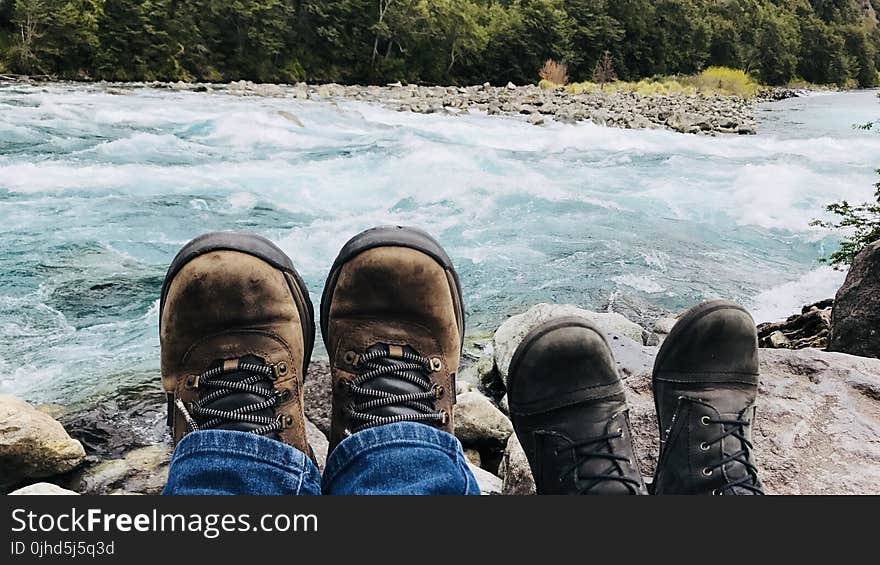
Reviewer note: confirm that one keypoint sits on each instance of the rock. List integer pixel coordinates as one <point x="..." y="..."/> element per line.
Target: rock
<point x="479" y="422"/>
<point x="134" y="417"/>
<point x="291" y="118"/>
<point x="536" y="120"/>
<point x="319" y="444"/>
<point x="810" y="328"/>
<point x="42" y="489"/>
<point x="515" y="328"/>
<point x="778" y="340"/>
<point x="816" y="428"/>
<point x="489" y="483"/>
<point x="473" y="457"/>
<point x="32" y="444"/>
<point x="511" y="86"/>
<point x="142" y="471"/>
<point x="855" y="319"/>
<point x="487" y="372"/>
<point x="504" y="405"/>
<point x="515" y="470"/>
<point x="318" y="394"/>
<point x="664" y="325"/>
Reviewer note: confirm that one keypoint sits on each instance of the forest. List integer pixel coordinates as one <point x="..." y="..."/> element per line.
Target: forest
<point x="835" y="42"/>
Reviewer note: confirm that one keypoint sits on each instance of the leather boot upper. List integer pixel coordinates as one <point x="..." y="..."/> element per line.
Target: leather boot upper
<point x="569" y="411"/>
<point x="231" y="317"/>
<point x="705" y="386"/>
<point x="393" y="330"/>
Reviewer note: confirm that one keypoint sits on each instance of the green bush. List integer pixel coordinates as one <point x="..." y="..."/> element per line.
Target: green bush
<point x="861" y="223"/>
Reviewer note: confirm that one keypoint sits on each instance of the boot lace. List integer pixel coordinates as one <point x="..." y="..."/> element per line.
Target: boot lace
<point x="736" y="428"/>
<point x="200" y="417"/>
<point x="415" y="369"/>
<point x="601" y="451"/>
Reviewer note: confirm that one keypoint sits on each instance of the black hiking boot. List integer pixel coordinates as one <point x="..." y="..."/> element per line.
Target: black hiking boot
<point x="569" y="411"/>
<point x="705" y="385"/>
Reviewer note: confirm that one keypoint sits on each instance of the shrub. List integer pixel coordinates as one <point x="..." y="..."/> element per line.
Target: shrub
<point x="724" y="80"/>
<point x="556" y="73"/>
<point x="547" y="85"/>
<point x="604" y="71"/>
<point x="862" y="222"/>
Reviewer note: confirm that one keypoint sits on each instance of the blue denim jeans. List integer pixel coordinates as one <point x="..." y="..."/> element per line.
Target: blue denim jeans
<point x="404" y="458"/>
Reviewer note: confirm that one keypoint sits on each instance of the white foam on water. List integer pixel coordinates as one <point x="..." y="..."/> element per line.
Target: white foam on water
<point x="780" y="302"/>
<point x="563" y="212"/>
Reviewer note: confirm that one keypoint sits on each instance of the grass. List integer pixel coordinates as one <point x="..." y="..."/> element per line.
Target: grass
<point x="714" y="80"/>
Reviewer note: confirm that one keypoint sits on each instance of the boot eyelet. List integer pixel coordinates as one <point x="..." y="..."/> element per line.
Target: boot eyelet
<point x="704" y="446"/>
<point x="438" y="391"/>
<point x="704" y="420"/>
<point x="619" y="431"/>
<point x="288" y="421"/>
<point x="343" y="386"/>
<point x="285" y="395"/>
<point x="350" y="358"/>
<point x="281" y="369"/>
<point x="716" y="493"/>
<point x="192" y="382"/>
<point x="707" y="472"/>
<point x="436" y="364"/>
<point x="445" y="417"/>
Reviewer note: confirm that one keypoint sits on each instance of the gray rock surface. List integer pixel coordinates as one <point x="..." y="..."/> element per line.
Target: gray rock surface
<point x="44" y="489"/>
<point x="479" y="422"/>
<point x="855" y="319"/>
<point x="508" y="337"/>
<point x="318" y="395"/>
<point x="32" y="444"/>
<point x="319" y="444"/>
<point x="489" y="483"/>
<point x="817" y="429"/>
<point x="142" y="471"/>
<point x="515" y="471"/>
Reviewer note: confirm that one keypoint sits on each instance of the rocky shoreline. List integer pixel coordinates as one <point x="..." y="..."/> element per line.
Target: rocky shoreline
<point x="817" y="430"/>
<point x="694" y="114"/>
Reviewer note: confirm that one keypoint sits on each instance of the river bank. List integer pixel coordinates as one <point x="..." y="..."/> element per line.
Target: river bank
<point x="684" y="113"/>
<point x="815" y="430"/>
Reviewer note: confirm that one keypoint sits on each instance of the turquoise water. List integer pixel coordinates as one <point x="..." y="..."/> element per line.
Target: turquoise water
<point x="98" y="191"/>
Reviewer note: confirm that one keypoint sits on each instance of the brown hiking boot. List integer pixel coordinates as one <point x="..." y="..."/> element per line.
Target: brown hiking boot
<point x="236" y="329"/>
<point x="393" y="323"/>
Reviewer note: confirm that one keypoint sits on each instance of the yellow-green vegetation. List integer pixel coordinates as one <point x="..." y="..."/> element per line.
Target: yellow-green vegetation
<point x="714" y="80"/>
<point x="547" y="84"/>
<point x="724" y="80"/>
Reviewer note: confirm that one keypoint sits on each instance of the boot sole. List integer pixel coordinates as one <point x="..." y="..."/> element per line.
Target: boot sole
<point x="263" y="249"/>
<point x="542" y="330"/>
<point x="391" y="236"/>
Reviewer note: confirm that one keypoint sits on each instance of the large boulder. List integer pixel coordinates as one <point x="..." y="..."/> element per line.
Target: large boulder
<point x="815" y="433"/>
<point x="32" y="444"/>
<point x="855" y="319"/>
<point x="817" y="424"/>
<point x="514" y="329"/>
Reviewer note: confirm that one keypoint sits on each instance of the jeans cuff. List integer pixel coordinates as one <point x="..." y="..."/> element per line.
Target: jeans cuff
<point x="401" y="434"/>
<point x="245" y="444"/>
